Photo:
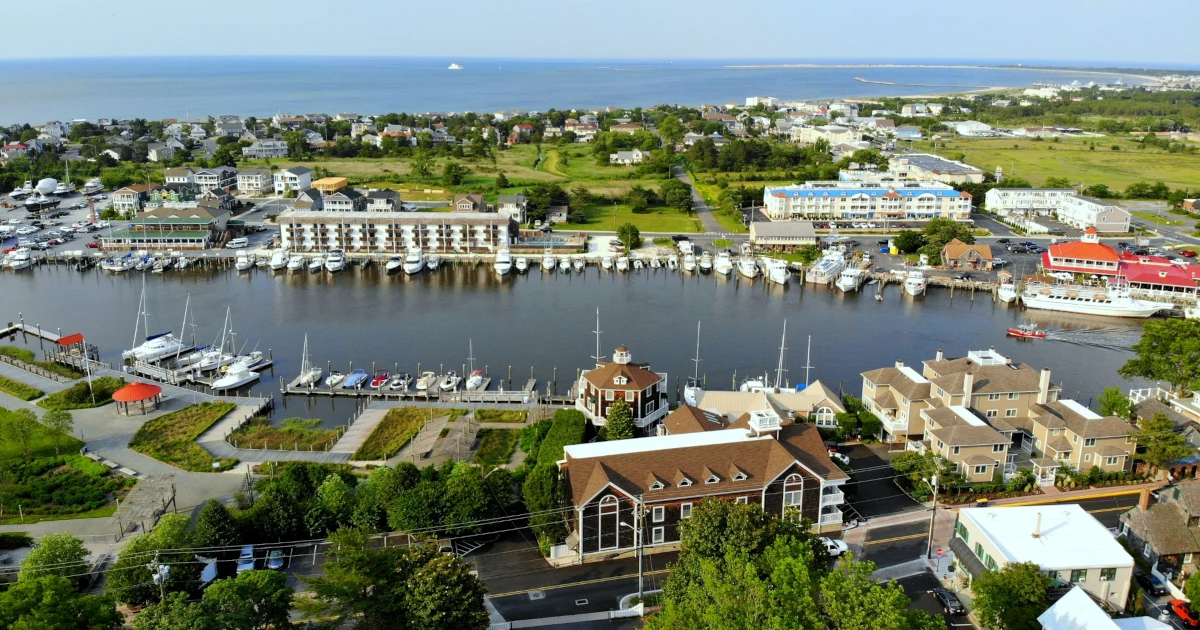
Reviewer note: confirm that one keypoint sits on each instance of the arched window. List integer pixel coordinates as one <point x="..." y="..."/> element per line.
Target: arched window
<point x="824" y="417"/>
<point x="608" y="522"/>
<point x="792" y="487"/>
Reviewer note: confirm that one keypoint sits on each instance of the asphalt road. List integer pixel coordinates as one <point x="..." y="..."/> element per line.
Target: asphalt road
<point x="919" y="589"/>
<point x="874" y="493"/>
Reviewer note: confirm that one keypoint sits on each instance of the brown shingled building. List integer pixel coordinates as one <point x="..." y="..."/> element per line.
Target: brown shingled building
<point x="622" y="379"/>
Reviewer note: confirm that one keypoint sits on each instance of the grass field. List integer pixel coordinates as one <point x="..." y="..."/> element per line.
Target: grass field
<point x="293" y="434"/>
<point x="395" y="430"/>
<point x="171" y="438"/>
<point x="42" y="444"/>
<point x="495" y="446"/>
<point x="1071" y="158"/>
<point x="660" y="219"/>
<point x="501" y="415"/>
<point x="1158" y="219"/>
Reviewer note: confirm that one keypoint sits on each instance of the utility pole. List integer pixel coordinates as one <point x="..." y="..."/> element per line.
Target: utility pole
<point x="933" y="483"/>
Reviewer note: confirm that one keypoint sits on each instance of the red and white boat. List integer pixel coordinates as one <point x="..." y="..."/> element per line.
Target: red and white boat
<point x="380" y="379"/>
<point x="1027" y="331"/>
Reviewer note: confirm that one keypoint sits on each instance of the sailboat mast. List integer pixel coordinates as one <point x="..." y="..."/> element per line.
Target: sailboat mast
<point x="137" y="319"/>
<point x="696" y="361"/>
<point x="779" y="370"/>
<point x="808" y="362"/>
<point x="183" y="326"/>
<point x="597" y="331"/>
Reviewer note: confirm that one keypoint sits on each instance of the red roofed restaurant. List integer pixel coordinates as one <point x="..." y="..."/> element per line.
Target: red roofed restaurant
<point x="1152" y="276"/>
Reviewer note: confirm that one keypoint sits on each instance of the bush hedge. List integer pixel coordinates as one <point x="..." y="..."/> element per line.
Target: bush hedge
<point x="79" y="395"/>
<point x="569" y="428"/>
<point x="14" y="540"/>
<point x="20" y="390"/>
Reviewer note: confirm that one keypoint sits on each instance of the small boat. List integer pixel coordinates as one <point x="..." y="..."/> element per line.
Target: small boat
<point x="454" y="66"/>
<point x="182" y="263"/>
<point x="637" y="264"/>
<point x="777" y="271"/>
<point x="723" y="264"/>
<point x="119" y="265"/>
<point x="335" y="379"/>
<point x="606" y="263"/>
<point x="380" y="379"/>
<point x="142" y="264"/>
<point x="92" y="186"/>
<point x="316" y="264"/>
<point x="503" y="263"/>
<point x="689" y="263"/>
<point x="655" y="263"/>
<point x="336" y="261"/>
<point x="622" y="263"/>
<point x="706" y="263"/>
<point x="433" y="261"/>
<point x="521" y="265"/>
<point x="449" y="382"/>
<point x="279" y="259"/>
<point x="191" y="358"/>
<point x="850" y="279"/>
<point x="236" y="377"/>
<point x="426" y="381"/>
<point x="21" y="259"/>
<point x="400" y="382"/>
<point x="673" y="262"/>
<point x="414" y="262"/>
<point x="548" y="262"/>
<point x="214" y="359"/>
<point x="161" y="265"/>
<point x="394" y="264"/>
<point x="747" y="266"/>
<point x="914" y="283"/>
<point x="1027" y="331"/>
<point x="564" y="263"/>
<point x="310" y="374"/>
<point x="475" y="380"/>
<point x="356" y="378"/>
<point x="262" y="263"/>
<point x="244" y="262"/>
<point x="878" y="297"/>
<point x="295" y="263"/>
<point x="247" y="361"/>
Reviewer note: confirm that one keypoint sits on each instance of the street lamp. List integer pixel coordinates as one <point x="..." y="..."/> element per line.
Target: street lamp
<point x="637" y="541"/>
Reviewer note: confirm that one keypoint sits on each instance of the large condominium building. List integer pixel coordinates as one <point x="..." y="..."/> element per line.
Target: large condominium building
<point x="1061" y="203"/>
<point x="395" y="232"/>
<point x="866" y="200"/>
<point x="925" y="166"/>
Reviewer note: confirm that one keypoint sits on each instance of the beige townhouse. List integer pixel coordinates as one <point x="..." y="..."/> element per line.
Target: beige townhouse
<point x="976" y="449"/>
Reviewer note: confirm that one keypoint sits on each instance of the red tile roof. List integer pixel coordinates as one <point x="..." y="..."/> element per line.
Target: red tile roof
<point x="1085" y="251"/>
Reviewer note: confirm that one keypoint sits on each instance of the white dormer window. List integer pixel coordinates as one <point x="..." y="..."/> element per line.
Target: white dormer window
<point x="620" y="380"/>
<point x="657" y="485"/>
<point x="740" y="476"/>
<point x="712" y="479"/>
<point x="683" y="483"/>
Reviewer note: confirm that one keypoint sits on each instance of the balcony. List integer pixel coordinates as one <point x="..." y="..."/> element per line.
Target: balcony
<point x="833" y="498"/>
<point x="831" y="517"/>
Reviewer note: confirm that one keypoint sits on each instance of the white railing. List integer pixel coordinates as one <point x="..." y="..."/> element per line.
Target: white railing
<point x="1138" y="395"/>
<point x="829" y="518"/>
<point x="833" y="498"/>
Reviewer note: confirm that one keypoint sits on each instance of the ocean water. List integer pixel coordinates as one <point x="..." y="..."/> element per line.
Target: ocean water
<point x="36" y="91"/>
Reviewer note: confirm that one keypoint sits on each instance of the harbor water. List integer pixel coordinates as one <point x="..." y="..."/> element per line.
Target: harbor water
<point x="545" y="323"/>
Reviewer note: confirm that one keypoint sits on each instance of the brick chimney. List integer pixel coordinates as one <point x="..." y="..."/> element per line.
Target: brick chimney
<point x="1044" y="386"/>
<point x="1144" y="500"/>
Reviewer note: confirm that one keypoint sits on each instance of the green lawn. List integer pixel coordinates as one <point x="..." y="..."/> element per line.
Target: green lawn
<point x="501" y="415"/>
<point x="722" y="242"/>
<point x="42" y="444"/>
<point x="495" y="446"/>
<point x="659" y="219"/>
<point x="395" y="430"/>
<point x="171" y="438"/>
<point x="1157" y="219"/>
<point x="1071" y="158"/>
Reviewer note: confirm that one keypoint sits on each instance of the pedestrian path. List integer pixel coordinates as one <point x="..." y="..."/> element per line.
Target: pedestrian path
<point x="361" y="429"/>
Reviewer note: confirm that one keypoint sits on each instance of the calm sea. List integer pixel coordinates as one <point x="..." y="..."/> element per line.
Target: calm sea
<point x="36" y="91"/>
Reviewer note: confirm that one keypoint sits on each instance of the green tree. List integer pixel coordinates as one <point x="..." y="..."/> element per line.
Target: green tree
<point x="466" y="498"/>
<point x="175" y="613"/>
<point x="130" y="580"/>
<point x="620" y="423"/>
<point x="453" y="174"/>
<point x="1056" y="182"/>
<point x="1114" y="403"/>
<point x="255" y="600"/>
<point x="671" y="129"/>
<point x="1012" y="597"/>
<point x="909" y="241"/>
<point x="52" y="602"/>
<point x="215" y="526"/>
<point x="940" y="231"/>
<point x="59" y="422"/>
<point x="808" y="254"/>
<point x="853" y="601"/>
<point x="22" y="427"/>
<point x="1169" y="350"/>
<point x="1161" y="443"/>
<point x="543" y="494"/>
<point x="501" y="181"/>
<point x="629" y="234"/>
<point x="676" y="194"/>
<point x="442" y="594"/>
<point x="56" y="554"/>
<point x="1191" y="588"/>
<point x="420" y="164"/>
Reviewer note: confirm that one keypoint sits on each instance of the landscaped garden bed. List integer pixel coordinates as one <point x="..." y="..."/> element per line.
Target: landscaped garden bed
<point x="171" y="438"/>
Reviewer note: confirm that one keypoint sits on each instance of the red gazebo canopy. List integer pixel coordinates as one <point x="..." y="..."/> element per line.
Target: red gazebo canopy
<point x="70" y="339"/>
<point x="136" y="392"/>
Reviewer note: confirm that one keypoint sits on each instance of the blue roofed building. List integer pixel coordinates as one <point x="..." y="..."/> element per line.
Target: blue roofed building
<point x="853" y="200"/>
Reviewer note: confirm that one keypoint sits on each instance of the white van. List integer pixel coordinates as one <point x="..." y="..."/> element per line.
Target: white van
<point x="246" y="559"/>
<point x="238" y="243"/>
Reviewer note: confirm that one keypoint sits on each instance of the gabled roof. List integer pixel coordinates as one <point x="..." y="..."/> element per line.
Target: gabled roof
<point x="957" y="249"/>
<point x="636" y="375"/>
<point x="968" y="435"/>
<point x="1165" y="527"/>
<point x="689" y="419"/>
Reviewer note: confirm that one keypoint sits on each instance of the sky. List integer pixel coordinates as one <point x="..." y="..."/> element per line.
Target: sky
<point x="1135" y="32"/>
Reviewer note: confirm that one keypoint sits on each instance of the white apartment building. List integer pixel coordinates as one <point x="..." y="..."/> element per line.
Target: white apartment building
<point x="255" y="180"/>
<point x="395" y="232"/>
<point x="834" y="134"/>
<point x="1088" y="212"/>
<point x="926" y="166"/>
<point x="296" y="179"/>
<point x="768" y="101"/>
<point x="1027" y="201"/>
<point x="866" y="200"/>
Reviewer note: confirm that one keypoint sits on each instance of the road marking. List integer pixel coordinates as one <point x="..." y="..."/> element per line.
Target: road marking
<point x="1111" y="509"/>
<point x="611" y="578"/>
<point x="896" y="538"/>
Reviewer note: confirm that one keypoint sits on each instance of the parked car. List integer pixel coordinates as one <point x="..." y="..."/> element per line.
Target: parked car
<point x="999" y="262"/>
<point x="1187" y="253"/>
<point x="93" y="245"/>
<point x="949" y="602"/>
<point x="1003" y="240"/>
<point x="835" y="548"/>
<point x="839" y="457"/>
<point x="276" y="560"/>
<point x="679" y="237"/>
<point x="238" y="243"/>
<point x="1150" y="584"/>
<point x="1186" y="614"/>
<point x="246" y="560"/>
<point x="962" y="276"/>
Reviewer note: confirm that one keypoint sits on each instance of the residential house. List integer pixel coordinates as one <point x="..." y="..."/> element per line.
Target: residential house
<point x="469" y="203"/>
<point x="969" y="127"/>
<point x="629" y="128"/>
<point x="287" y="121"/>
<point x="173" y="195"/>
<point x="268" y="148"/>
<point x="513" y="206"/>
<point x="628" y="157"/>
<point x="1065" y="541"/>
<point x="385" y="200"/>
<point x="1088" y="212"/>
<point x="622" y="379"/>
<point x="344" y="200"/>
<point x="159" y="152"/>
<point x="1165" y="531"/>
<point x="180" y="175"/>
<point x="976" y="449"/>
<point x="255" y="180"/>
<point x="815" y="403"/>
<point x="640" y="490"/>
<point x="329" y="185"/>
<point x="131" y="198"/>
<point x="309" y="199"/>
<point x="230" y="129"/>
<point x="1079" y="610"/>
<point x="223" y="177"/>
<point x="293" y="179"/>
<point x="959" y="255"/>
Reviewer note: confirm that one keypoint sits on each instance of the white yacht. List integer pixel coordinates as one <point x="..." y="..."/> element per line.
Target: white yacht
<point x="503" y="263"/>
<point x="1006" y="291"/>
<point x="747" y="266"/>
<point x="295" y="263"/>
<point x="706" y="262"/>
<point x="24" y="191"/>
<point x="236" y="376"/>
<point x="334" y="379"/>
<point x="414" y="262"/>
<point x="156" y="347"/>
<point x="449" y="382"/>
<point x="522" y="264"/>
<point x="316" y="263"/>
<point x="426" y="381"/>
<point x="850" y="279"/>
<point x="777" y="271"/>
<point x="279" y="259"/>
<point x="637" y="264"/>
<point x="689" y="262"/>
<point x="1113" y="300"/>
<point x="915" y="283"/>
<point x="93" y="186"/>
<point x="547" y="261"/>
<point x="336" y="261"/>
<point x="673" y="262"/>
<point x="245" y="260"/>
<point x="394" y="263"/>
<point x="20" y="259"/>
<point x="454" y="66"/>
<point x="432" y="262"/>
<point x="723" y="264"/>
<point x="655" y="263"/>
<point x="827" y="269"/>
<point x="577" y="264"/>
<point x="606" y="263"/>
<point x="564" y="263"/>
<point x="118" y="265"/>
<point x="622" y="263"/>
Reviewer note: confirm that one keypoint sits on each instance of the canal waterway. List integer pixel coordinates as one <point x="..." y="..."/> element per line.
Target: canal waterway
<point x="546" y="322"/>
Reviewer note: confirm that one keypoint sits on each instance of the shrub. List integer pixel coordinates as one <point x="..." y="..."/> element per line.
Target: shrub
<point x="501" y="415"/>
<point x="568" y="428"/>
<point x="495" y="446"/>
<point x="14" y="540"/>
<point x="20" y="390"/>
<point x="531" y="439"/>
<point x="80" y="396"/>
<point x="395" y="430"/>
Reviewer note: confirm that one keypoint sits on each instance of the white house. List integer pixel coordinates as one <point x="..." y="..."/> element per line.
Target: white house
<point x="255" y="180"/>
<point x="1077" y="611"/>
<point x="267" y="148"/>
<point x="1067" y="542"/>
<point x="767" y="101"/>
<point x="628" y="157"/>
<point x="296" y="178"/>
<point x="969" y="127"/>
<point x="1088" y="212"/>
<point x="834" y="134"/>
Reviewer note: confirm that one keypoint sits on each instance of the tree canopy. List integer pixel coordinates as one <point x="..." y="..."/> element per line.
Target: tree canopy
<point x="620" y="423"/>
<point x="1169" y="351"/>
<point x="1012" y="597"/>
<point x="1161" y="444"/>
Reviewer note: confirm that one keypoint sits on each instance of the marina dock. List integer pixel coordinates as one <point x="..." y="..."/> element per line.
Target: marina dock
<point x="524" y="395"/>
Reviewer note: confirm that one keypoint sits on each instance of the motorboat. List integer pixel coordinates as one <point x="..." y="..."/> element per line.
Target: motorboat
<point x="295" y="263"/>
<point x="747" y="266"/>
<point x="161" y="265"/>
<point x="850" y="279"/>
<point x="21" y="259"/>
<point x="777" y="271"/>
<point x="828" y="269"/>
<point x="521" y="264"/>
<point x="279" y="259"/>
<point x="606" y="263"/>
<point x="316" y="264"/>
<point x="433" y="261"/>
<point x="235" y="377"/>
<point x="357" y="378"/>
<point x="723" y="264"/>
<point x="705" y="263"/>
<point x="335" y="379"/>
<point x="247" y="361"/>
<point x="183" y="262"/>
<point x="156" y="347"/>
<point x="474" y="381"/>
<point x="689" y="262"/>
<point x="655" y="263"/>
<point x="143" y="264"/>
<point x="215" y="359"/>
<point x="92" y="186"/>
<point x="673" y="262"/>
<point x="24" y="191"/>
<point x="915" y="283"/>
<point x="414" y="262"/>
<point x="1027" y="331"/>
<point x="503" y="263"/>
<point x="400" y="382"/>
<point x="637" y="264"/>
<point x="449" y="382"/>
<point x="1113" y="300"/>
<point x="119" y="265"/>
<point x="427" y="380"/>
<point x="1006" y="291"/>
<point x="244" y="261"/>
<point x="394" y="264"/>
<point x="191" y="358"/>
<point x="336" y="261"/>
<point x="262" y="263"/>
<point x="62" y="189"/>
<point x="577" y="264"/>
<point x="564" y="263"/>
<point x="548" y="262"/>
<point x="622" y="263"/>
<point x="380" y="379"/>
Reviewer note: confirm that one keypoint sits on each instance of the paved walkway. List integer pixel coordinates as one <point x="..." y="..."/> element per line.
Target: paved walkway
<point x="361" y="429"/>
<point x="29" y="378"/>
<point x="702" y="210"/>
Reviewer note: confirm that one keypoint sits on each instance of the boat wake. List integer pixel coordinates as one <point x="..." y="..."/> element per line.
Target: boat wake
<point x="1109" y="338"/>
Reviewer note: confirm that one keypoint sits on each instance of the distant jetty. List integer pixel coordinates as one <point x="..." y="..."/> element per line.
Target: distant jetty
<point x="932" y="85"/>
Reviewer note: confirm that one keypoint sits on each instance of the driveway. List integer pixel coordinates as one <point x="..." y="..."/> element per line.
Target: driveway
<point x="875" y="493"/>
<point x="702" y="209"/>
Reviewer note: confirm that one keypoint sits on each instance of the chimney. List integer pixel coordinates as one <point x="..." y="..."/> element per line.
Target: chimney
<point x="940" y="356"/>
<point x="1044" y="387"/>
<point x="968" y="387"/>
<point x="1144" y="500"/>
<point x="899" y="364"/>
<point x="1037" y="525"/>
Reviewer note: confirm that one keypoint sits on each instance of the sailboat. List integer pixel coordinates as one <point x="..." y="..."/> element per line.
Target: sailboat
<point x="475" y="380"/>
<point x="692" y="390"/>
<point x="755" y="384"/>
<point x="310" y="375"/>
<point x="218" y="357"/>
<point x="156" y="346"/>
